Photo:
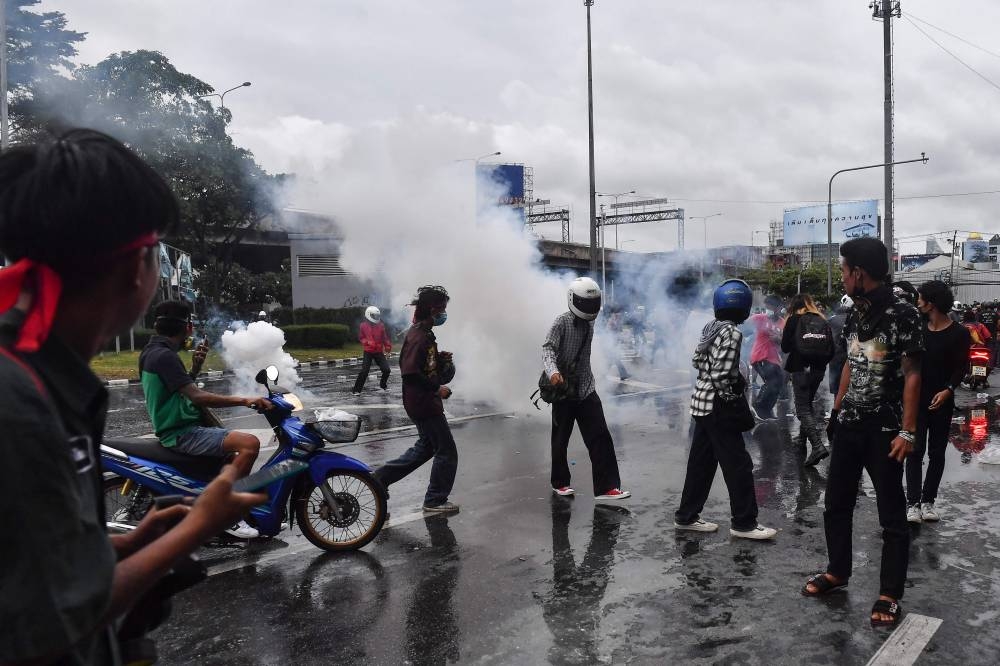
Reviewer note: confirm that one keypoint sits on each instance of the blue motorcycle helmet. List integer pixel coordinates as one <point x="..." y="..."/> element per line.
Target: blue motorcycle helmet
<point x="732" y="301"/>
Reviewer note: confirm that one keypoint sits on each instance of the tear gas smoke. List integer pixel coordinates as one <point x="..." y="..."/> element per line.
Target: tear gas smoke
<point x="248" y="349"/>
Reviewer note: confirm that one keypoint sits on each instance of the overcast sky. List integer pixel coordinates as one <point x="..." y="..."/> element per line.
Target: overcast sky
<point x="718" y="105"/>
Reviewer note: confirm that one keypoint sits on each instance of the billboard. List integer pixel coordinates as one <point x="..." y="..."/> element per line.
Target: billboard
<point x="500" y="185"/>
<point x="976" y="251"/>
<point x="911" y="262"/>
<point x="851" y="219"/>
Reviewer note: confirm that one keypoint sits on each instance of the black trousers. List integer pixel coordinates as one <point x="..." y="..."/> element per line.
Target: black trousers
<point x="714" y="446"/>
<point x="804" y="387"/>
<point x="589" y="414"/>
<point x="932" y="437"/>
<point x="366" y="365"/>
<point x="857" y="447"/>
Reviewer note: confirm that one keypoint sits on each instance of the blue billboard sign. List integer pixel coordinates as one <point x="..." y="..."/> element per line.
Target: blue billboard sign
<point x="851" y="219"/>
<point x="509" y="179"/>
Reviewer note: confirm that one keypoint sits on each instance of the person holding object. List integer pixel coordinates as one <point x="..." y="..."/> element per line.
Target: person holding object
<point x="426" y="371"/>
<point x="717" y="441"/>
<point x="376" y="344"/>
<point x="81" y="217"/>
<point x="808" y="341"/>
<point x="566" y="359"/>
<point x="872" y="425"/>
<point x="945" y="359"/>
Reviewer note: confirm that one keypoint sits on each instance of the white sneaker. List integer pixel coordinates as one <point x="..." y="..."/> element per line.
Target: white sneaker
<point x="913" y="514"/>
<point x="697" y="526"/>
<point x="928" y="512"/>
<point x="242" y="531"/>
<point x="759" y="533"/>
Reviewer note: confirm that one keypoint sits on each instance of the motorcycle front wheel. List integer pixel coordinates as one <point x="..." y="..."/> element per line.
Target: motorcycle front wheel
<point x="359" y="515"/>
<point x="125" y="505"/>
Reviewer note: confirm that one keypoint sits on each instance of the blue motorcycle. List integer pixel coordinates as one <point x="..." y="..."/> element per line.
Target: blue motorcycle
<point x="337" y="502"/>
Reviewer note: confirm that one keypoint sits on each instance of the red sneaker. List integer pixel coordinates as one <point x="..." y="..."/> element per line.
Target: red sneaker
<point x="614" y="494"/>
<point x="564" y="491"/>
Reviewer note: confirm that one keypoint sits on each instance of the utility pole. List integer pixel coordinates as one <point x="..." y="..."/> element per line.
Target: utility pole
<point x="4" y="121"/>
<point x="590" y="115"/>
<point x="885" y="10"/>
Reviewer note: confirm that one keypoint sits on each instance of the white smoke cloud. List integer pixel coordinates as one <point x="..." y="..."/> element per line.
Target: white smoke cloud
<point x="249" y="348"/>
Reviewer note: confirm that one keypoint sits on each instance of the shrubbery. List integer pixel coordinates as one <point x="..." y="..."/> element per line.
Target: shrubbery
<point x="313" y="336"/>
<point x="350" y="317"/>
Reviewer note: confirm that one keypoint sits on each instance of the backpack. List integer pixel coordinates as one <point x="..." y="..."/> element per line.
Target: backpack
<point x="974" y="333"/>
<point x="813" y="338"/>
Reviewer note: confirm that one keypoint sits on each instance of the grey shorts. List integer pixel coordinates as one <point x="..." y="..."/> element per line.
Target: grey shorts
<point x="202" y="442"/>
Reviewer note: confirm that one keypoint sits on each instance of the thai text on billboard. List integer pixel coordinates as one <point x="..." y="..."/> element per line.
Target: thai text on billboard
<point x="851" y="219"/>
<point x="508" y="180"/>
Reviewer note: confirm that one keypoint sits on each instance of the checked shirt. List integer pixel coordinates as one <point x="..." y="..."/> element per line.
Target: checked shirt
<point x="718" y="365"/>
<point x="568" y="332"/>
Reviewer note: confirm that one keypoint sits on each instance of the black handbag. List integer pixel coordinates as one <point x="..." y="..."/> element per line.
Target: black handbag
<point x="568" y="389"/>
<point x="734" y="414"/>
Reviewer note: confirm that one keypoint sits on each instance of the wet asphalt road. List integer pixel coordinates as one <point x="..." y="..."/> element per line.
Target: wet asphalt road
<point x="522" y="577"/>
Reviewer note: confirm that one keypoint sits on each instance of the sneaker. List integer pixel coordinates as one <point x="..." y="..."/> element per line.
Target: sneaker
<point x="928" y="513"/>
<point x="913" y="514"/>
<point x="443" y="507"/>
<point x="759" y="533"/>
<point x="355" y="392"/>
<point x="384" y="388"/>
<point x="242" y="531"/>
<point x="565" y="491"/>
<point x="818" y="453"/>
<point x="614" y="494"/>
<point x="697" y="526"/>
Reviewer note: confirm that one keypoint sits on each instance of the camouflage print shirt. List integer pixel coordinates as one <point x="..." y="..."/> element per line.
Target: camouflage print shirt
<point x="879" y="332"/>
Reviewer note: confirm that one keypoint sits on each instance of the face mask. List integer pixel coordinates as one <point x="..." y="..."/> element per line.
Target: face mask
<point x="440" y="318"/>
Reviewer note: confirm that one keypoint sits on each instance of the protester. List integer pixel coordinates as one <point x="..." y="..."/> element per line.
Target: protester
<point x="808" y="341"/>
<point x="716" y="441"/>
<point x="81" y="217"/>
<point x="837" y="322"/>
<point x="376" y="344"/>
<point x="425" y="372"/>
<point x="765" y="357"/>
<point x="175" y="404"/>
<point x="978" y="333"/>
<point x="566" y="359"/>
<point x="873" y="424"/>
<point x="942" y="367"/>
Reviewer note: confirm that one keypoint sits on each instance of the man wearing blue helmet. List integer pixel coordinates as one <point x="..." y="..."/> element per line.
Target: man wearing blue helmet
<point x="718" y="442"/>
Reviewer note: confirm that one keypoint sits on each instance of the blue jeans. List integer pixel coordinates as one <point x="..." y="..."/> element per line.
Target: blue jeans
<point x="434" y="441"/>
<point x="774" y="378"/>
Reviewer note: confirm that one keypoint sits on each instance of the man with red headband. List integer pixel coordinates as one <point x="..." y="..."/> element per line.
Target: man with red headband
<point x="80" y="217"/>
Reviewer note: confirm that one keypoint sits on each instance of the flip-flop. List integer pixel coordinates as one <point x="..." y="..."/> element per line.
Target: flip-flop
<point x="823" y="586"/>
<point x="890" y="608"/>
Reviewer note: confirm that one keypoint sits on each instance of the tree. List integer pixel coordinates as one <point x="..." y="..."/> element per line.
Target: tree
<point x="241" y="292"/>
<point x="142" y="99"/>
<point x="785" y="282"/>
<point x="39" y="46"/>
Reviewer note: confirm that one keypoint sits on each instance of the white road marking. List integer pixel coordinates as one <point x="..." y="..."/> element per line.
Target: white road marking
<point x="907" y="642"/>
<point x="658" y="389"/>
<point x="223" y="567"/>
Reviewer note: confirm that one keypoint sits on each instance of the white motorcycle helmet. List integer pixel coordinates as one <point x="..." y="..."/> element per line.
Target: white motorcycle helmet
<point x="846" y="301"/>
<point x="373" y="314"/>
<point x="957" y="306"/>
<point x="584" y="298"/>
<point x="261" y="316"/>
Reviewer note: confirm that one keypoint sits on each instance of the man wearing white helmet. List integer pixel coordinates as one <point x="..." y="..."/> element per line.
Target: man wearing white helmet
<point x="566" y="356"/>
<point x="376" y="343"/>
<point x="956" y="312"/>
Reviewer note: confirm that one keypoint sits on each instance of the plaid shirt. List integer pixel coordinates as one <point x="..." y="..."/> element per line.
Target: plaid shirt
<point x="718" y="366"/>
<point x="568" y="332"/>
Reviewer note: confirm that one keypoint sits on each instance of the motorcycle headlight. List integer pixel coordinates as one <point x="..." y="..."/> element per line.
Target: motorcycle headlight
<point x="294" y="401"/>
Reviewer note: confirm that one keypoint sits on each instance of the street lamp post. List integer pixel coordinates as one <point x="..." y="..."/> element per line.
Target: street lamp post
<point x="590" y="116"/>
<point x="616" y="195"/>
<point x="753" y="237"/>
<point x="222" y="95"/>
<point x="704" y="219"/>
<point x="829" y="215"/>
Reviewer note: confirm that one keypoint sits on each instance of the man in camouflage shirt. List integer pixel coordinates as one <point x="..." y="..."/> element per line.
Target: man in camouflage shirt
<point x="873" y="423"/>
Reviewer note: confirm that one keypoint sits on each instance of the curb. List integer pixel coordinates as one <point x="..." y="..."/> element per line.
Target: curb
<point x="219" y="374"/>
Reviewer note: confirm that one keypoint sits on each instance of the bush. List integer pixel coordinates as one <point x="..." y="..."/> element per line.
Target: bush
<point x="350" y="317"/>
<point x="313" y="336"/>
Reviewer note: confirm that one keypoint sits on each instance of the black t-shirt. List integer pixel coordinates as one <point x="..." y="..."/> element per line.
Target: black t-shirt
<point x="945" y="358"/>
<point x="419" y="364"/>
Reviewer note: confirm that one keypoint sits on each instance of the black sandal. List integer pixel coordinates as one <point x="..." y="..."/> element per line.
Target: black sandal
<point x="889" y="608"/>
<point x="823" y="586"/>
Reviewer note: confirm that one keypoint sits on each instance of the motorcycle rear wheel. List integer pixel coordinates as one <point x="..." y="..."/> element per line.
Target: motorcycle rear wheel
<point x="362" y="504"/>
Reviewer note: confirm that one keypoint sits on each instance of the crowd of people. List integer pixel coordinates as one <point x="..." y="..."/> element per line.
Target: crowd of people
<point x="81" y="196"/>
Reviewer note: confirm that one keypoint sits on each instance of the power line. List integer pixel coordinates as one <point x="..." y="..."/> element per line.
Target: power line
<point x="943" y="48"/>
<point x="819" y="201"/>
<point x="950" y="34"/>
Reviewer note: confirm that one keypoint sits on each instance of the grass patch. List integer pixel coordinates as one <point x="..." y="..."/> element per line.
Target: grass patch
<point x="125" y="365"/>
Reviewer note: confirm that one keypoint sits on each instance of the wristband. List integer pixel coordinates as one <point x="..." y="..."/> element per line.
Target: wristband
<point x="907" y="436"/>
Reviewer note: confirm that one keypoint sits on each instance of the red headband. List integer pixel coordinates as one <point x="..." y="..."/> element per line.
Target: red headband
<point x="48" y="287"/>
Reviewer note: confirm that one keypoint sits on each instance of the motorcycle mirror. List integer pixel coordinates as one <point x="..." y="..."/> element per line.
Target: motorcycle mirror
<point x="261" y="377"/>
<point x="272" y="372"/>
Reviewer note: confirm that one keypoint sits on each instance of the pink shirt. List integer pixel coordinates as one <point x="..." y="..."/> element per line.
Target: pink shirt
<point x="766" y="339"/>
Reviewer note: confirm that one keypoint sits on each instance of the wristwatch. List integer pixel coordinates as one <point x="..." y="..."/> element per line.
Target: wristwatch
<point x="908" y="435"/>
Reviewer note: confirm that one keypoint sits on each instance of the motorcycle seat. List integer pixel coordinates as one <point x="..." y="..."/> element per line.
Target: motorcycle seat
<point x="201" y="468"/>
